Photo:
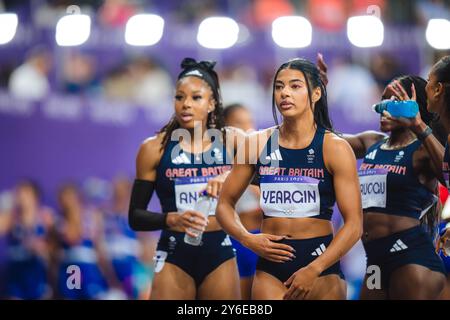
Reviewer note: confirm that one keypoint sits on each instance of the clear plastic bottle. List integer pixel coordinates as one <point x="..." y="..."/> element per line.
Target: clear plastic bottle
<point x="397" y="109"/>
<point x="203" y="206"/>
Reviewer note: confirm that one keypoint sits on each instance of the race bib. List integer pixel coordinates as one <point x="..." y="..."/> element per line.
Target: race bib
<point x="289" y="196"/>
<point x="373" y="187"/>
<point x="187" y="192"/>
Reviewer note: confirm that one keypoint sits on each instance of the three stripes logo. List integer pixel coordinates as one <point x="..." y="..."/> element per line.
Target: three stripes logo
<point x="226" y="242"/>
<point x="182" y="158"/>
<point x="398" y="246"/>
<point x="372" y="155"/>
<point x="321" y="249"/>
<point x="276" y="155"/>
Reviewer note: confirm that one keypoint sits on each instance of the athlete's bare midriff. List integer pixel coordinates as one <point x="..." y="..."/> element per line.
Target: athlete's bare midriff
<point x="378" y="225"/>
<point x="297" y="228"/>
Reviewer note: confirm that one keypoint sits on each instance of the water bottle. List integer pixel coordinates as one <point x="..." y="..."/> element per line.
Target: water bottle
<point x="202" y="205"/>
<point x="397" y="109"/>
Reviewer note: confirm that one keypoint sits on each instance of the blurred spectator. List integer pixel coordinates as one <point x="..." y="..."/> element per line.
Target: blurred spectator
<point x="240" y="83"/>
<point x="151" y="85"/>
<point x="123" y="244"/>
<point x="115" y="13"/>
<point x="352" y="89"/>
<point x="195" y="10"/>
<point x="432" y="9"/>
<point x="328" y="14"/>
<point x="28" y="245"/>
<point x="30" y="80"/>
<point x="263" y="12"/>
<point x="80" y="74"/>
<point x="81" y="243"/>
<point x="384" y="68"/>
<point x="117" y="84"/>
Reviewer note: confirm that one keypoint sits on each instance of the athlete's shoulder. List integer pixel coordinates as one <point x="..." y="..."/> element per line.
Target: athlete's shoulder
<point x="150" y="153"/>
<point x="263" y="133"/>
<point x="334" y="144"/>
<point x="153" y="142"/>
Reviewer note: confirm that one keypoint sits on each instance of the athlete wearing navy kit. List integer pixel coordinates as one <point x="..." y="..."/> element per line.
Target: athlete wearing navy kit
<point x="302" y="169"/>
<point x="178" y="169"/>
<point x="297" y="167"/>
<point x="398" y="185"/>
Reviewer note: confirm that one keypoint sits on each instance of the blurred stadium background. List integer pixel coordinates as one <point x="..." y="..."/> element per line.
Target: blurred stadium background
<point x="78" y="95"/>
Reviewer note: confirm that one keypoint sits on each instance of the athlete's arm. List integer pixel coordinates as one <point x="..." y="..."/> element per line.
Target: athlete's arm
<point x="340" y="161"/>
<point x="361" y="142"/>
<point x="139" y="218"/>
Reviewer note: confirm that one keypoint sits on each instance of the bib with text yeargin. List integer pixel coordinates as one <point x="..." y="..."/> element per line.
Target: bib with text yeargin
<point x="373" y="187"/>
<point x="289" y="196"/>
<point x="187" y="192"/>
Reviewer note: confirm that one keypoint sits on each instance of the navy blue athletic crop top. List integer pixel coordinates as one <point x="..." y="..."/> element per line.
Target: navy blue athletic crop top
<point x="389" y="184"/>
<point x="182" y="175"/>
<point x="295" y="182"/>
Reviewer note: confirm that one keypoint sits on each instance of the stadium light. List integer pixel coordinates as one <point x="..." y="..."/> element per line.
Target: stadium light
<point x="218" y="33"/>
<point x="8" y="27"/>
<point x="365" y="31"/>
<point x="73" y="30"/>
<point x="144" y="30"/>
<point x="292" y="32"/>
<point x="438" y="34"/>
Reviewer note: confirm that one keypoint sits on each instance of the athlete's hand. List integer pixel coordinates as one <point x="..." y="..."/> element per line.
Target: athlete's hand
<point x="416" y="124"/>
<point x="189" y="219"/>
<point x="300" y="283"/>
<point x="441" y="242"/>
<point x="323" y="68"/>
<point x="215" y="184"/>
<point x="264" y="246"/>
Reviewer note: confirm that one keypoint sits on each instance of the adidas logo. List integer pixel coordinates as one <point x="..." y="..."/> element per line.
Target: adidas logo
<point x="398" y="246"/>
<point x="372" y="155"/>
<point x="275" y="155"/>
<point x="321" y="249"/>
<point x="226" y="242"/>
<point x="194" y="73"/>
<point x="182" y="158"/>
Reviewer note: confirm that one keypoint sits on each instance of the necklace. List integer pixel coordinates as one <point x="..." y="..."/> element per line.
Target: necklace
<point x="385" y="145"/>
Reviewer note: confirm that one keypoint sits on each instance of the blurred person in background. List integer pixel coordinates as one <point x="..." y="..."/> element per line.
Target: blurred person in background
<point x="364" y="89"/>
<point x="30" y="80"/>
<point x="80" y="243"/>
<point x="28" y="245"/>
<point x="125" y="247"/>
<point x="238" y="116"/>
<point x="240" y="83"/>
<point x="151" y="84"/>
<point x="79" y="74"/>
<point x="175" y="167"/>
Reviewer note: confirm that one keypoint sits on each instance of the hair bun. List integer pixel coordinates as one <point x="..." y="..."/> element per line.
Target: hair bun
<point x="189" y="63"/>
